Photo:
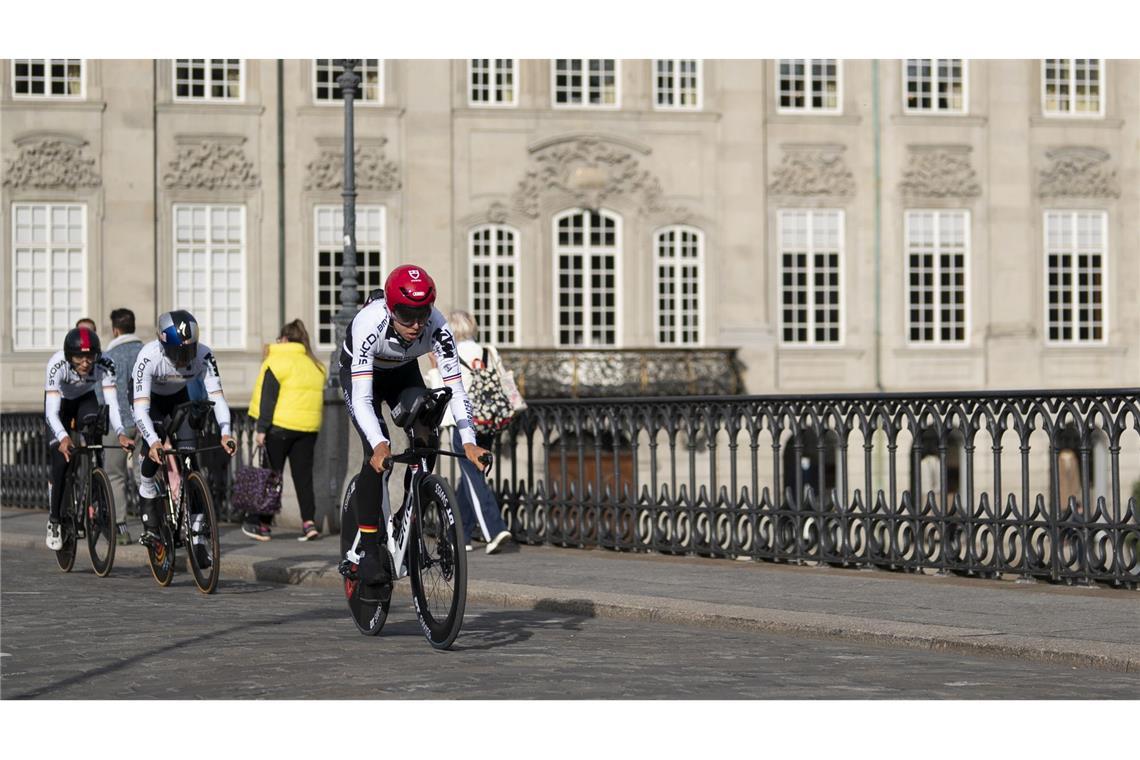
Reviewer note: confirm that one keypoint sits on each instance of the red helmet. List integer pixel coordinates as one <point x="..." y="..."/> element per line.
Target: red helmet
<point x="409" y="289"/>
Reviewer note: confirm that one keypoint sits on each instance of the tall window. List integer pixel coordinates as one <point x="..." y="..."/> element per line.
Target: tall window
<point x="492" y="81"/>
<point x="937" y="243"/>
<point x="1072" y="86"/>
<point x="586" y="82"/>
<point x="370" y="71"/>
<point x="49" y="247"/>
<point x="677" y="83"/>
<point x="586" y="251"/>
<point x="208" y="78"/>
<point x="678" y="271"/>
<point x="47" y="78"/>
<point x="209" y="270"/>
<point x="494" y="261"/>
<point x="935" y="84"/>
<point x="1075" y="246"/>
<point x="808" y="84"/>
<point x="329" y="242"/>
<point x="811" y="256"/>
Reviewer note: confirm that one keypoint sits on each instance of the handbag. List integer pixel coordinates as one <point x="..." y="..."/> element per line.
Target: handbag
<point x="510" y="388"/>
<point x="257" y="490"/>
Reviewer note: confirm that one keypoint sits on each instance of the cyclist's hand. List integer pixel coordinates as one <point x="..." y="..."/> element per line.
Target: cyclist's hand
<point x="479" y="457"/>
<point x="126" y="443"/>
<point x="381" y="452"/>
<point x="155" y="453"/>
<point x="229" y="444"/>
<point x="65" y="446"/>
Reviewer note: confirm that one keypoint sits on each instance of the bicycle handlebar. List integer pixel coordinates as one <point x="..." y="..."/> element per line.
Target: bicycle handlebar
<point x="413" y="455"/>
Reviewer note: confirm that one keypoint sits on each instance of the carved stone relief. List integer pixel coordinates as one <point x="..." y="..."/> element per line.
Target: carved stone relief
<point x="809" y="170"/>
<point x="373" y="170"/>
<point x="590" y="170"/>
<point x="207" y="165"/>
<point x="940" y="172"/>
<point x="497" y="214"/>
<point x="51" y="163"/>
<point x="1078" y="172"/>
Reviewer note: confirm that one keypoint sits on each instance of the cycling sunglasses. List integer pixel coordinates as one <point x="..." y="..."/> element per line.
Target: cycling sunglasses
<point x="406" y="317"/>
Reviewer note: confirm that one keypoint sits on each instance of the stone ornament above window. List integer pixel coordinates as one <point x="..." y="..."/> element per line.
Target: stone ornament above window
<point x="590" y="170"/>
<point x="51" y="163"/>
<point x="497" y="213"/>
<point x="210" y="165"/>
<point x="1078" y="172"/>
<point x="813" y="170"/>
<point x="939" y="171"/>
<point x="373" y="170"/>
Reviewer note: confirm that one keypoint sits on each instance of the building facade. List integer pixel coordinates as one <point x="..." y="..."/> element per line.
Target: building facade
<point x="847" y="225"/>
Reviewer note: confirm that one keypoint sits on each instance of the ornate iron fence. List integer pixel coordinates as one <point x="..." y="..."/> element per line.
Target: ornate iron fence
<point x="1004" y="481"/>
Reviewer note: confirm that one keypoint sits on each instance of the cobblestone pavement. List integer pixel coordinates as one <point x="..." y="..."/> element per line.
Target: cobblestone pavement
<point x="78" y="636"/>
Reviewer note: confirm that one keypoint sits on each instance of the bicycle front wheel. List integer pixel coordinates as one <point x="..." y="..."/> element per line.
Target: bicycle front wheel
<point x="68" y="528"/>
<point x="369" y="617"/>
<point x="160" y="553"/>
<point x="100" y="516"/>
<point x="202" y="532"/>
<point x="438" y="563"/>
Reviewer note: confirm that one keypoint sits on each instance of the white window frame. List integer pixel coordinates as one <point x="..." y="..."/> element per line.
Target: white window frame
<point x="658" y="262"/>
<point x="585" y="86"/>
<point x="360" y="100"/>
<point x="811" y="342"/>
<point x="315" y="334"/>
<point x="700" y="75"/>
<point x="1102" y="91"/>
<point x="54" y="340"/>
<point x="808" y="108"/>
<point x="938" y="341"/>
<point x="205" y="314"/>
<point x="491" y="329"/>
<point x="207" y="97"/>
<point x="1075" y="286"/>
<point x="512" y="103"/>
<point x="587" y="324"/>
<point x="48" y="80"/>
<point x="934" y="109"/>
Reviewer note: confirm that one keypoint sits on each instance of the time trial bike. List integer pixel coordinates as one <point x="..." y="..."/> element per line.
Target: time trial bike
<point x="88" y="506"/>
<point x="188" y="517"/>
<point x="425" y="535"/>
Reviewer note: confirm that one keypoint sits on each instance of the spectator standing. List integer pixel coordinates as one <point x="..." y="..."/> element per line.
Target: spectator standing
<point x="477" y="503"/>
<point x="287" y="402"/>
<point x="123" y="349"/>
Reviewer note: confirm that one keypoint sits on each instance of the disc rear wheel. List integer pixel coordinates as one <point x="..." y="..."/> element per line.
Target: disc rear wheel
<point x="100" y="516"/>
<point x="369" y="617"/>
<point x="438" y="564"/>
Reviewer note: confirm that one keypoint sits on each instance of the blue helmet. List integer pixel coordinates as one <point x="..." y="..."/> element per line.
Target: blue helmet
<point x="178" y="333"/>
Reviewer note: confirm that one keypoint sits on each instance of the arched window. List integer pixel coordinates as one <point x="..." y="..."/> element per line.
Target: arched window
<point x="493" y="261"/>
<point x="678" y="273"/>
<point x="586" y="251"/>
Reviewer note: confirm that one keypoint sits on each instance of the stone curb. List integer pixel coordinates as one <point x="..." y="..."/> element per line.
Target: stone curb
<point x="972" y="641"/>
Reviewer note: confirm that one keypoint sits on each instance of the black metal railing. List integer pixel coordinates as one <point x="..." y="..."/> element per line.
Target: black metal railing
<point x="1034" y="484"/>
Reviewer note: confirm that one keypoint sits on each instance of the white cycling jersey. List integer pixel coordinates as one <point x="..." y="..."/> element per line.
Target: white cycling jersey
<point x="373" y="343"/>
<point x="154" y="374"/>
<point x="63" y="382"/>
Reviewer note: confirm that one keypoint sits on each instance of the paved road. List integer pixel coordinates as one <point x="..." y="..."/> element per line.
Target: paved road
<point x="78" y="636"/>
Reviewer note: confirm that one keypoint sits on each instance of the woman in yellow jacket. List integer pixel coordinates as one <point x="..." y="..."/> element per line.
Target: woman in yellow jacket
<point x="287" y="401"/>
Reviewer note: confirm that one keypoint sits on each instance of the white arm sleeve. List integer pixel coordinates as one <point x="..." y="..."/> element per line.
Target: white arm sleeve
<point x="144" y="365"/>
<point x="56" y="371"/>
<point x="447" y="358"/>
<point x="111" y="395"/>
<point x="213" y="382"/>
<point x="361" y="410"/>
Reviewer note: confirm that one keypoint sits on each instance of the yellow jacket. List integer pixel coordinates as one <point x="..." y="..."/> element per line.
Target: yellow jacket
<point x="292" y="388"/>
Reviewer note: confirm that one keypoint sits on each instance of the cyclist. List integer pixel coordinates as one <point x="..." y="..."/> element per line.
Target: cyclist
<point x="163" y="369"/>
<point x="69" y="395"/>
<point x="377" y="362"/>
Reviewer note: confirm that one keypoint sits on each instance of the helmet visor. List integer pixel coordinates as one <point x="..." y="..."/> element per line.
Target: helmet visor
<point x="410" y="316"/>
<point x="181" y="354"/>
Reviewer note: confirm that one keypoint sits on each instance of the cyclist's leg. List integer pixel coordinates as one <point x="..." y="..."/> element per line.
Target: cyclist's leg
<point x="68" y="409"/>
<point x="149" y="508"/>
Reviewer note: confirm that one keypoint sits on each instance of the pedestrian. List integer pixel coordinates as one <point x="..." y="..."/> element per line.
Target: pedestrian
<point x="477" y="503"/>
<point x="287" y="401"/>
<point x="123" y="349"/>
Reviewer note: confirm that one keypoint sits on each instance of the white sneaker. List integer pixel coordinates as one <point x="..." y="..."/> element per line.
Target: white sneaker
<point x="496" y="542"/>
<point x="54" y="539"/>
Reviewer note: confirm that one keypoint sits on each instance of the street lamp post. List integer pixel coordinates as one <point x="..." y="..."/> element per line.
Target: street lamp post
<point x="349" y="80"/>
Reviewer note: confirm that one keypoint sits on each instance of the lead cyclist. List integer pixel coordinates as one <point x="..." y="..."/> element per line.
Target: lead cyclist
<point x="377" y="362"/>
